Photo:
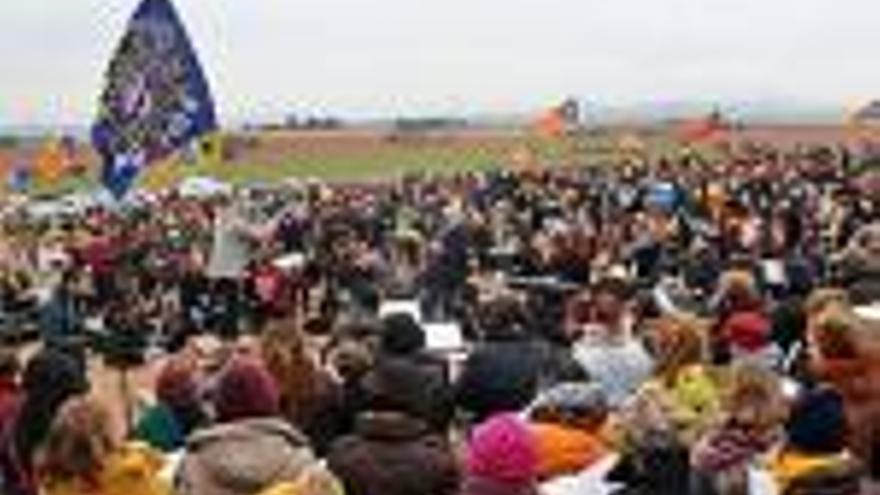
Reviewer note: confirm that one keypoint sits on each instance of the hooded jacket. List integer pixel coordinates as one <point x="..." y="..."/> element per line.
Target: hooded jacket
<point x="394" y="454"/>
<point x="242" y="458"/>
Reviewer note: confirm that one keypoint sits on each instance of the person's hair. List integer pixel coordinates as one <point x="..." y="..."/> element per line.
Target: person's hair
<point x="78" y="443"/>
<point x="739" y="290"/>
<point x="286" y="357"/>
<point x="679" y="341"/>
<point x="501" y="317"/>
<point x="316" y="326"/>
<point x="837" y="333"/>
<point x="822" y="299"/>
<point x="351" y="359"/>
<point x="9" y="363"/>
<point x="817" y="423"/>
<point x="357" y="330"/>
<point x="753" y="398"/>
<point x="401" y="335"/>
<point x="49" y="379"/>
<point x="613" y="286"/>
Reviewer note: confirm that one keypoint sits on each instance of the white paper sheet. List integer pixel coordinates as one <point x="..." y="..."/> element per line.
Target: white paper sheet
<point x="290" y="261"/>
<point x="774" y="271"/>
<point x="443" y="337"/>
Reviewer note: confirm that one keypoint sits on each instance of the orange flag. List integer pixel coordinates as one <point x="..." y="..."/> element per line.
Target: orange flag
<point x="550" y="124"/>
<point x="4" y="171"/>
<point x="702" y="130"/>
<point x="51" y="162"/>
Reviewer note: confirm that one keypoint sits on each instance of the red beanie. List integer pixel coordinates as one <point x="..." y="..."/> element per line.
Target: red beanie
<point x="503" y="449"/>
<point x="749" y="331"/>
<point x="246" y="390"/>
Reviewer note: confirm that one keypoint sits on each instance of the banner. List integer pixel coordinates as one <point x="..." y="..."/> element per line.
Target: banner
<point x="156" y="99"/>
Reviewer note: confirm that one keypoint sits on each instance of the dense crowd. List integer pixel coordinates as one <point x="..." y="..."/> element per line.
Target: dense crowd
<point x="672" y="326"/>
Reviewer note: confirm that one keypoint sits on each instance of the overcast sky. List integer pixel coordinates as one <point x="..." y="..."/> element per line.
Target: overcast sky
<point x="451" y="56"/>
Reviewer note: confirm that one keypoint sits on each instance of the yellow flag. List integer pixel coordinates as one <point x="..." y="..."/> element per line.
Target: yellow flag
<point x="161" y="175"/>
<point x="210" y="150"/>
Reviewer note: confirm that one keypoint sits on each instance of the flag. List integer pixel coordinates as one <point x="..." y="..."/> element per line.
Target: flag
<point x="558" y="120"/>
<point x="51" y="162"/>
<point x="75" y="166"/>
<point x="703" y="130"/>
<point x="4" y="164"/>
<point x="210" y="150"/>
<point x="162" y="175"/>
<point x="550" y="124"/>
<point x="156" y="99"/>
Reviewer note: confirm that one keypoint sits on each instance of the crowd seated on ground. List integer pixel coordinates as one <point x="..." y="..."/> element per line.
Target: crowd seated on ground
<point x="675" y="326"/>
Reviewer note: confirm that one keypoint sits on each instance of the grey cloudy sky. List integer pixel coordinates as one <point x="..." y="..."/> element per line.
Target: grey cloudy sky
<point x="389" y="56"/>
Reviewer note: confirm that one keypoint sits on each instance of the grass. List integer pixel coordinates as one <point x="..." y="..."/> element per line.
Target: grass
<point x="391" y="160"/>
<point x="341" y="161"/>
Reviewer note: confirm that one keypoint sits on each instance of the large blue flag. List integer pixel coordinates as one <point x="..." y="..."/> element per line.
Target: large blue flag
<point x="156" y="97"/>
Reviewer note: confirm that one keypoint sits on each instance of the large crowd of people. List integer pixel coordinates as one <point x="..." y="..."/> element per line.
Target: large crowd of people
<point x="669" y="326"/>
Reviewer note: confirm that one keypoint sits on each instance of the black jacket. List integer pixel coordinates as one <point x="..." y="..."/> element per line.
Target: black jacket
<point x="503" y="376"/>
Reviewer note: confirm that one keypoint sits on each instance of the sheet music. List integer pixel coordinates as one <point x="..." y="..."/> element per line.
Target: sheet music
<point x="774" y="271"/>
<point x="443" y="337"/>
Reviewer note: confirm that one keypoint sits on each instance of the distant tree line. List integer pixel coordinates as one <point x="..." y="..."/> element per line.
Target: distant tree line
<point x="312" y="122"/>
<point x="7" y="142"/>
<point x="428" y="124"/>
<point x="300" y="123"/>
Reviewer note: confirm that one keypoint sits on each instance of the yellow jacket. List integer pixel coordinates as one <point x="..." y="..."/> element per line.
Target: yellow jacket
<point x="315" y="480"/>
<point x="789" y="466"/>
<point x="133" y="470"/>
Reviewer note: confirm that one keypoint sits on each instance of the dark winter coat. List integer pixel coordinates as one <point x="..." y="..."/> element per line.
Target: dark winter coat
<point x="394" y="454"/>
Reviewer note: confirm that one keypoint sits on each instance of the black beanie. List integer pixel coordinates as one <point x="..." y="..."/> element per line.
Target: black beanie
<point x="817" y="424"/>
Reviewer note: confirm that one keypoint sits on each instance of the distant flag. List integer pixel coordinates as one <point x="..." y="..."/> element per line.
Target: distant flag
<point x="51" y="162"/>
<point x="550" y="124"/>
<point x="156" y="98"/>
<point x="703" y="130"/>
<point x="4" y="164"/>
<point x="210" y="150"/>
<point x="74" y="163"/>
<point x="558" y="120"/>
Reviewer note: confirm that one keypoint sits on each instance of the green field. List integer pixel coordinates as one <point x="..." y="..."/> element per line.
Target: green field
<point x="347" y="161"/>
<point x="353" y="156"/>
